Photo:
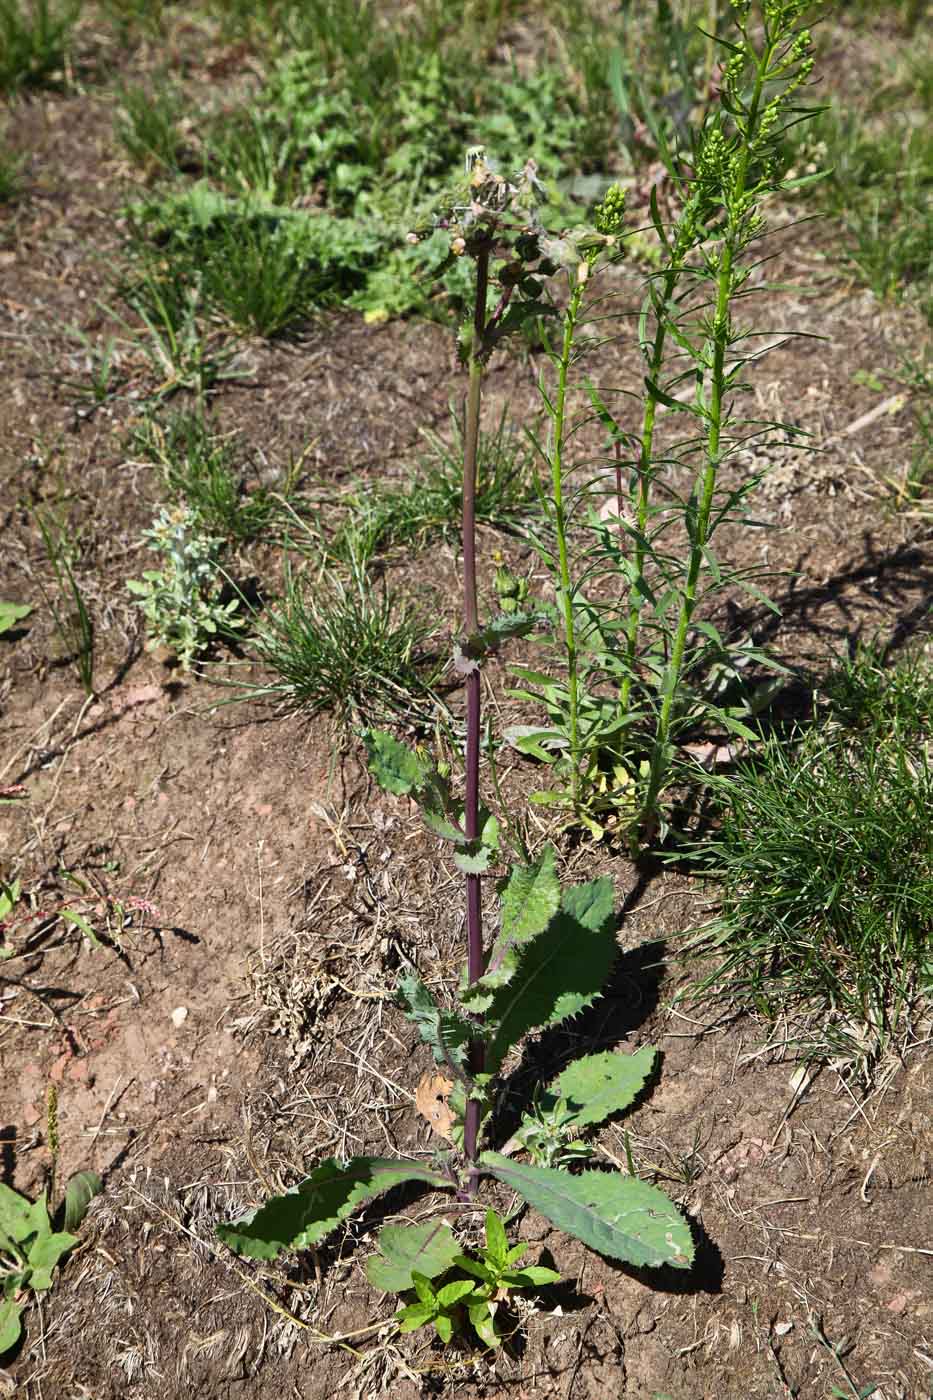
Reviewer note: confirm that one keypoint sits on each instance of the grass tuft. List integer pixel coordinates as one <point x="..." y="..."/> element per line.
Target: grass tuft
<point x="199" y="467"/>
<point x="385" y="518"/>
<point x="35" y="36"/>
<point x="824" y="858"/>
<point x="345" y="645"/>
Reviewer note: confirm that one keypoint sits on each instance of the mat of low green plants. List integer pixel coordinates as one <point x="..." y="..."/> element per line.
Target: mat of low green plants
<point x="305" y="192"/>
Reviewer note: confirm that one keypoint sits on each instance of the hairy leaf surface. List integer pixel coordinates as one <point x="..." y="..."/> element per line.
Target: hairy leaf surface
<point x="596" y="1086"/>
<point x="616" y="1215"/>
<point x="445" y="1032"/>
<point x="428" y="1249"/>
<point x="309" y="1211"/>
<point x="396" y="767"/>
<point x="530" y="899"/>
<point x="560" y="972"/>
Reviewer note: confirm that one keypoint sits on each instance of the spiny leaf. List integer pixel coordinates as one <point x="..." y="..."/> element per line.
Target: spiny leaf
<point x="309" y="1211"/>
<point x="530" y="899"/>
<point x="474" y="859"/>
<point x="445" y="1032"/>
<point x="396" y="767"/>
<point x="429" y="1249"/>
<point x="469" y="651"/>
<point x="596" y="1086"/>
<point x="560" y="972"/>
<point x="616" y="1215"/>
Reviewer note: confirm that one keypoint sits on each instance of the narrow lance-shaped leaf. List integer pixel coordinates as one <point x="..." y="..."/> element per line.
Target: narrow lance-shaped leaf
<point x="309" y="1211"/>
<point x="616" y="1215"/>
<point x="428" y="1249"/>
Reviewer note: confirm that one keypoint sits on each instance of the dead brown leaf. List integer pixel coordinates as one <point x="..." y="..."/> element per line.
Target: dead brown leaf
<point x="431" y="1103"/>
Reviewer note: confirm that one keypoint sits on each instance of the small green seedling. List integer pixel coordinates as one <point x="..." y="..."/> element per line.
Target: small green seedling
<point x="11" y="613"/>
<point x="440" y="1308"/>
<point x="180" y="601"/>
<point x="497" y="1276"/>
<point x="422" y="1259"/>
<point x="31" y="1248"/>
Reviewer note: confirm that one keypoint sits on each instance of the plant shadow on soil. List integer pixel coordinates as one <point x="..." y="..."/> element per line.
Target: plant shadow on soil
<point x="900" y="578"/>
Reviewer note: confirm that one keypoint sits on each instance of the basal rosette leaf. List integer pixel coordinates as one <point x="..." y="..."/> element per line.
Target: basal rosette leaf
<point x="309" y="1211"/>
<point x="18" y="1218"/>
<point x="596" y="1086"/>
<point x="44" y="1254"/>
<point x="618" y="1216"/>
<point x="11" y="1326"/>
<point x="560" y="971"/>
<point x="79" y="1193"/>
<point x="428" y="1249"/>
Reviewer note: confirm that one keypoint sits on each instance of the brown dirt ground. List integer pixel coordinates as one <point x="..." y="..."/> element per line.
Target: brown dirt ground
<point x="244" y="1025"/>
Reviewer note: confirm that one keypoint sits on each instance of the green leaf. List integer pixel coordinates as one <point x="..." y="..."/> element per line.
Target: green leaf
<point x="395" y="767"/>
<point x="309" y="1211"/>
<point x="435" y="813"/>
<point x="44" y="1254"/>
<point x="414" y="1316"/>
<point x="531" y="738"/>
<point x="529" y="900"/>
<point x="560" y="972"/>
<point x="71" y="917"/>
<point x="497" y="1244"/>
<point x="451" y="1293"/>
<point x="596" y="1086"/>
<point x="80" y="1191"/>
<point x="469" y="651"/>
<point x="11" y="1326"/>
<point x="484" y="1323"/>
<point x="428" y="1248"/>
<point x="474" y="1267"/>
<point x="475" y="860"/>
<point x="9" y="897"/>
<point x="443" y="1327"/>
<point x="616" y="1215"/>
<point x="441" y="1030"/>
<point x="662" y="396"/>
<point x="535" y="1276"/>
<point x="17" y="1215"/>
<point x="422" y="1286"/>
<point x="10" y="614"/>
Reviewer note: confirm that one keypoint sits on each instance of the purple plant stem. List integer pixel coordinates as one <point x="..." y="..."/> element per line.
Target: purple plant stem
<point x="474" y="905"/>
